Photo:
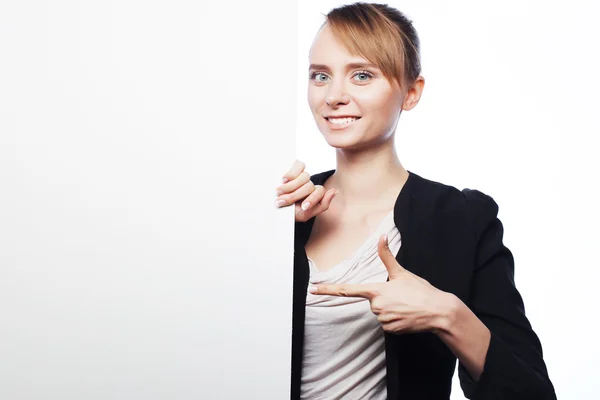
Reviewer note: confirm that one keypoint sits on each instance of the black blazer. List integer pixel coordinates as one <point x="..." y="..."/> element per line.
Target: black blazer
<point x="453" y="239"/>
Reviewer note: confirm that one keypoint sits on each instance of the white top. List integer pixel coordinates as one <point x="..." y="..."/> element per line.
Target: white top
<point x="344" y="348"/>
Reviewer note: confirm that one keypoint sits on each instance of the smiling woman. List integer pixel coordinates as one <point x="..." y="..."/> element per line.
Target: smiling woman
<point x="400" y="276"/>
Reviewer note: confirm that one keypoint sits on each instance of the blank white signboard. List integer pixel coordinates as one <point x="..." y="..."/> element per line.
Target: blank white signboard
<point x="141" y="254"/>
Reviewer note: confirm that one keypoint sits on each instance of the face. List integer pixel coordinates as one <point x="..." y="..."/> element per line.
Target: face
<point x="353" y="104"/>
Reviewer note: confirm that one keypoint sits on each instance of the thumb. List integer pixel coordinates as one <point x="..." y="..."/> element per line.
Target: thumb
<point x="325" y="202"/>
<point x="394" y="269"/>
<point x="329" y="197"/>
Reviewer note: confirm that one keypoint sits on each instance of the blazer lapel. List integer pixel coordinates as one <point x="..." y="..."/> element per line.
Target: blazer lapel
<point x="409" y="212"/>
<point x="301" y="278"/>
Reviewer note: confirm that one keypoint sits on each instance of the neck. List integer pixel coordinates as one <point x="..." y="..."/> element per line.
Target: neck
<point x="370" y="177"/>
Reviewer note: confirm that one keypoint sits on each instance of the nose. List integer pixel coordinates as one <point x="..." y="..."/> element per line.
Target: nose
<point x="336" y="96"/>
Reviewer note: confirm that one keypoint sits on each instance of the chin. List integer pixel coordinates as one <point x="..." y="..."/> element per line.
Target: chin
<point x="343" y="142"/>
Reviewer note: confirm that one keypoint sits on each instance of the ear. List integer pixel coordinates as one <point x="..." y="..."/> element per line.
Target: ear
<point x="414" y="94"/>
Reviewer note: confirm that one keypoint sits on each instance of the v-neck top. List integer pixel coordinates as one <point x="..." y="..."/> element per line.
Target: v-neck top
<point x="344" y="347"/>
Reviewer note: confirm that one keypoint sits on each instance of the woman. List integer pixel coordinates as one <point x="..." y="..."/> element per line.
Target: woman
<point x="406" y="275"/>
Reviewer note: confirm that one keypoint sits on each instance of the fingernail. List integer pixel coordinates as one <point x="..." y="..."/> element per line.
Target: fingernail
<point x="279" y="193"/>
<point x="305" y="205"/>
<point x="279" y="203"/>
<point x="336" y="191"/>
<point x="312" y="289"/>
<point x="385" y="238"/>
<point x="284" y="180"/>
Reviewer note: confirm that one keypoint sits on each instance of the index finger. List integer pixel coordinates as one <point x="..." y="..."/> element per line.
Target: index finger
<point x="293" y="173"/>
<point x="365" y="290"/>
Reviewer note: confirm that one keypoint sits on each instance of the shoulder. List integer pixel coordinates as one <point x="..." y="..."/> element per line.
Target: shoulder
<point x="447" y="202"/>
<point x="441" y="194"/>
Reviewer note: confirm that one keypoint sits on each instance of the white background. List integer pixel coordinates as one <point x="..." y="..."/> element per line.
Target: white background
<point x="510" y="107"/>
<point x="141" y="256"/>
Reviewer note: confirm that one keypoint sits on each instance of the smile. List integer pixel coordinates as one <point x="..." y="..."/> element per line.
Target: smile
<point x="340" y="123"/>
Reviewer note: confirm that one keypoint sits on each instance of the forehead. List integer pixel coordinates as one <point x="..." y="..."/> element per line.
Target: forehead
<point x="326" y="48"/>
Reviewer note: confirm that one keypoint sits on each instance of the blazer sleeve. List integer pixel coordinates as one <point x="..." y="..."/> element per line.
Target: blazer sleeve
<point x="514" y="367"/>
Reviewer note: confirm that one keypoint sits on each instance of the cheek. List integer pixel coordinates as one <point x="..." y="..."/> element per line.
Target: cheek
<point x="313" y="98"/>
<point x="380" y="104"/>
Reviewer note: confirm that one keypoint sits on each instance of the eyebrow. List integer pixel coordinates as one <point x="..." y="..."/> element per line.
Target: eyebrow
<point x="348" y="66"/>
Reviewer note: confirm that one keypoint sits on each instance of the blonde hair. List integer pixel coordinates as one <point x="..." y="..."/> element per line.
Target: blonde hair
<point x="380" y="34"/>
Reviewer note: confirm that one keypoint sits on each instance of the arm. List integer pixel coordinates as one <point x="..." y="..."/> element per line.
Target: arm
<point x="464" y="334"/>
<point x="513" y="365"/>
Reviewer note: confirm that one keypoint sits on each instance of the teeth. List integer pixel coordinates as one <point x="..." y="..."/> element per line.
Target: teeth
<point x="341" y="121"/>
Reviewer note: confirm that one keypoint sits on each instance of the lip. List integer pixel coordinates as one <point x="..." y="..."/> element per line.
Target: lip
<point x="333" y="126"/>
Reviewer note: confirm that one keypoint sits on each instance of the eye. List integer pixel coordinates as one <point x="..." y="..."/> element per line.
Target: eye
<point x="318" y="76"/>
<point x="364" y="76"/>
